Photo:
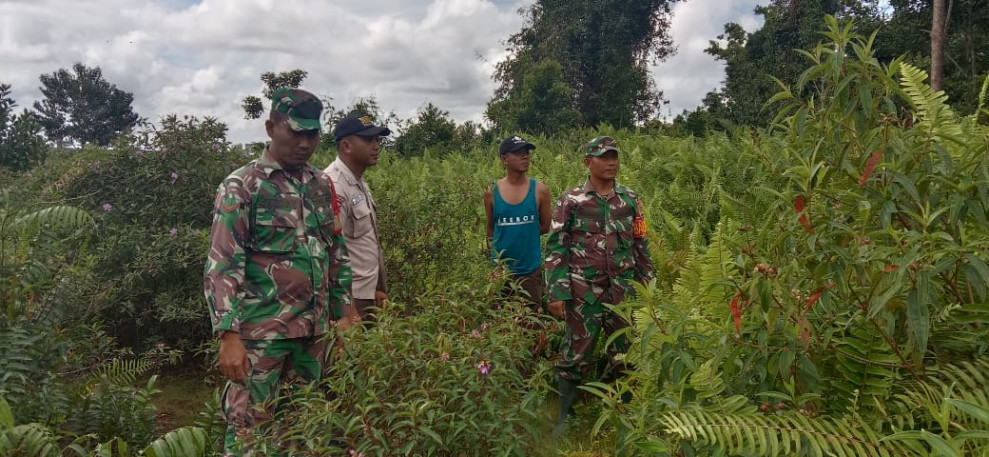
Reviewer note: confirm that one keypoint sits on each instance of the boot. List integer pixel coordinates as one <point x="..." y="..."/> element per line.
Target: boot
<point x="568" y="394"/>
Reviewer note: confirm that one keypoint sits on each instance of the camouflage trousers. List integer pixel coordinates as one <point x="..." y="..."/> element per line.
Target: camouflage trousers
<point x="274" y="363"/>
<point x="586" y="321"/>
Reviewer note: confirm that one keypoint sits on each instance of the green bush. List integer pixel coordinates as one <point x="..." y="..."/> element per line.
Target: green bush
<point x="152" y="199"/>
<point x="443" y="376"/>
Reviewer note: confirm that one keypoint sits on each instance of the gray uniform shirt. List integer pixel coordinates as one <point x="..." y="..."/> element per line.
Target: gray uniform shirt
<point x="360" y="229"/>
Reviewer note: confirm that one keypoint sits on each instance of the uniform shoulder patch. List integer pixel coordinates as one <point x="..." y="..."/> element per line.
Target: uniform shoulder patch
<point x="639" y="223"/>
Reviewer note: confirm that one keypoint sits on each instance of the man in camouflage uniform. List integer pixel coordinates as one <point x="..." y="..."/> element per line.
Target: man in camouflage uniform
<point x="277" y="271"/>
<point x="597" y="247"/>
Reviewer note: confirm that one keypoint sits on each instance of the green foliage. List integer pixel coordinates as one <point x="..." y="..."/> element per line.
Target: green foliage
<point x="254" y="106"/>
<point x="147" y="270"/>
<point x="21" y="145"/>
<point x="83" y="107"/>
<point x="440" y="377"/>
<point x="431" y="129"/>
<point x="603" y="47"/>
<point x="542" y="103"/>
<point x="905" y="32"/>
<point x="753" y="59"/>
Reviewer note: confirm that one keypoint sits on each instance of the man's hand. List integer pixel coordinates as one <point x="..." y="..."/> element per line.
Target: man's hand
<point x="556" y="308"/>
<point x="379" y="298"/>
<point x="233" y="357"/>
<point x="347" y="321"/>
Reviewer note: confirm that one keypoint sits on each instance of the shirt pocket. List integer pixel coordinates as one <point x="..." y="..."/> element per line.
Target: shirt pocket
<point x="275" y="223"/>
<point x="360" y="223"/>
<point x="323" y="208"/>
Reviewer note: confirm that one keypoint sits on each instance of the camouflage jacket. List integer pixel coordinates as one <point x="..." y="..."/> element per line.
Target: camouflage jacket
<point x="596" y="245"/>
<point x="277" y="265"/>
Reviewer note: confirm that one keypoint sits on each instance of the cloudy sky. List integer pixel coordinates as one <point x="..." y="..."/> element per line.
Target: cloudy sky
<point x="202" y="57"/>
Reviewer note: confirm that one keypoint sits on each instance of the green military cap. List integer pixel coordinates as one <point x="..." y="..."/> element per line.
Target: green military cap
<point x="600" y="145"/>
<point x="302" y="108"/>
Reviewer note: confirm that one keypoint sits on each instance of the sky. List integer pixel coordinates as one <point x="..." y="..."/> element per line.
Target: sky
<point x="202" y="57"/>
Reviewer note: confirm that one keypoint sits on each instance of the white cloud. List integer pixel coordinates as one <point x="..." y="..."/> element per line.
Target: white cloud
<point x="202" y="57"/>
<point x="689" y="75"/>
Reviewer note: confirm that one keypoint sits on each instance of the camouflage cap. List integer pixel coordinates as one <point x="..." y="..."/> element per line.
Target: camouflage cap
<point x="600" y="145"/>
<point x="301" y="108"/>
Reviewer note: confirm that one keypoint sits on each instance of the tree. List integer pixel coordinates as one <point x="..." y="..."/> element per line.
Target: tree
<point x="432" y="128"/>
<point x="908" y="31"/>
<point x="21" y="144"/>
<point x="82" y="106"/>
<point x="603" y="47"/>
<point x="752" y="59"/>
<point x="254" y="106"/>
<point x="368" y="106"/>
<point x="937" y="43"/>
<point x="544" y="104"/>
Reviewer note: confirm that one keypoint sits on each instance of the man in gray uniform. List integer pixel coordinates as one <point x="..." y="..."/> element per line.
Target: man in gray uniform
<point x="358" y="143"/>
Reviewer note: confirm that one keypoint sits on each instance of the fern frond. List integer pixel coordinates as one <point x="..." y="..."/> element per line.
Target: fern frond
<point x="964" y="381"/>
<point x="932" y="107"/>
<point x="867" y="365"/>
<point x="28" y="439"/>
<point x="181" y="442"/>
<point x="59" y="220"/>
<point x="787" y="434"/>
<point x="125" y="371"/>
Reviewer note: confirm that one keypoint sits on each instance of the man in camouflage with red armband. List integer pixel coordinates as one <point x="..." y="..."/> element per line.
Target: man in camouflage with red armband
<point x="597" y="247"/>
<point x="277" y="272"/>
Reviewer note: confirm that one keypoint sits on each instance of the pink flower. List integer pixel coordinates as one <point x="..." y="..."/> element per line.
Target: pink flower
<point x="484" y="326"/>
<point x="107" y="207"/>
<point x="445" y="356"/>
<point x="174" y="176"/>
<point x="216" y="146"/>
<point x="475" y="333"/>
<point x="484" y="367"/>
<point x="174" y="231"/>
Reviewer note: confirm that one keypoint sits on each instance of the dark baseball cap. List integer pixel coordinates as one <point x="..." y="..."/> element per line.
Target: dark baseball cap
<point x="360" y="125"/>
<point x="514" y="143"/>
<point x="301" y="108"/>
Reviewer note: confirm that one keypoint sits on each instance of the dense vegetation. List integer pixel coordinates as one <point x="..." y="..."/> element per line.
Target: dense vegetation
<point x="821" y="290"/>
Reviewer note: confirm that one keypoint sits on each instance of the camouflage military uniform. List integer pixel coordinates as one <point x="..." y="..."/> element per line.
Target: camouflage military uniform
<point x="277" y="273"/>
<point x="597" y="247"/>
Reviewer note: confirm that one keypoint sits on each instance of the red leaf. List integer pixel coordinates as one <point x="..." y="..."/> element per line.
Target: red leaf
<point x="736" y="312"/>
<point x="798" y="203"/>
<point x="890" y="268"/>
<point x="806" y="223"/>
<point x="869" y="166"/>
<point x="813" y="298"/>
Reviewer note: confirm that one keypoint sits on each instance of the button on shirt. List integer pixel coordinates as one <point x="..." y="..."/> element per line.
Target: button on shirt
<point x="360" y="229"/>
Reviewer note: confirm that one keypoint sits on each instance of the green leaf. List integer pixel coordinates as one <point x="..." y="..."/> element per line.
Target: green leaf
<point x="918" y="315"/>
<point x="977" y="411"/>
<point x="6" y="415"/>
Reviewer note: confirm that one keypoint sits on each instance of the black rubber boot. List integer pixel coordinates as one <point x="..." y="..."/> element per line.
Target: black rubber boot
<point x="568" y="395"/>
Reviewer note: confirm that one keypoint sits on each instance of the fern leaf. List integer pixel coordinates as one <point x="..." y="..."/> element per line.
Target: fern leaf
<point x="181" y="442"/>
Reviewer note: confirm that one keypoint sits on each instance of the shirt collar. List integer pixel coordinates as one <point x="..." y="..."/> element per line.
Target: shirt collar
<point x="268" y="165"/>
<point x="588" y="187"/>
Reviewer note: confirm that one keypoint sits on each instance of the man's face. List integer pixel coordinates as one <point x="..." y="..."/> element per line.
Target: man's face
<point x="363" y="150"/>
<point x="290" y="148"/>
<point x="516" y="160"/>
<point x="604" y="167"/>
